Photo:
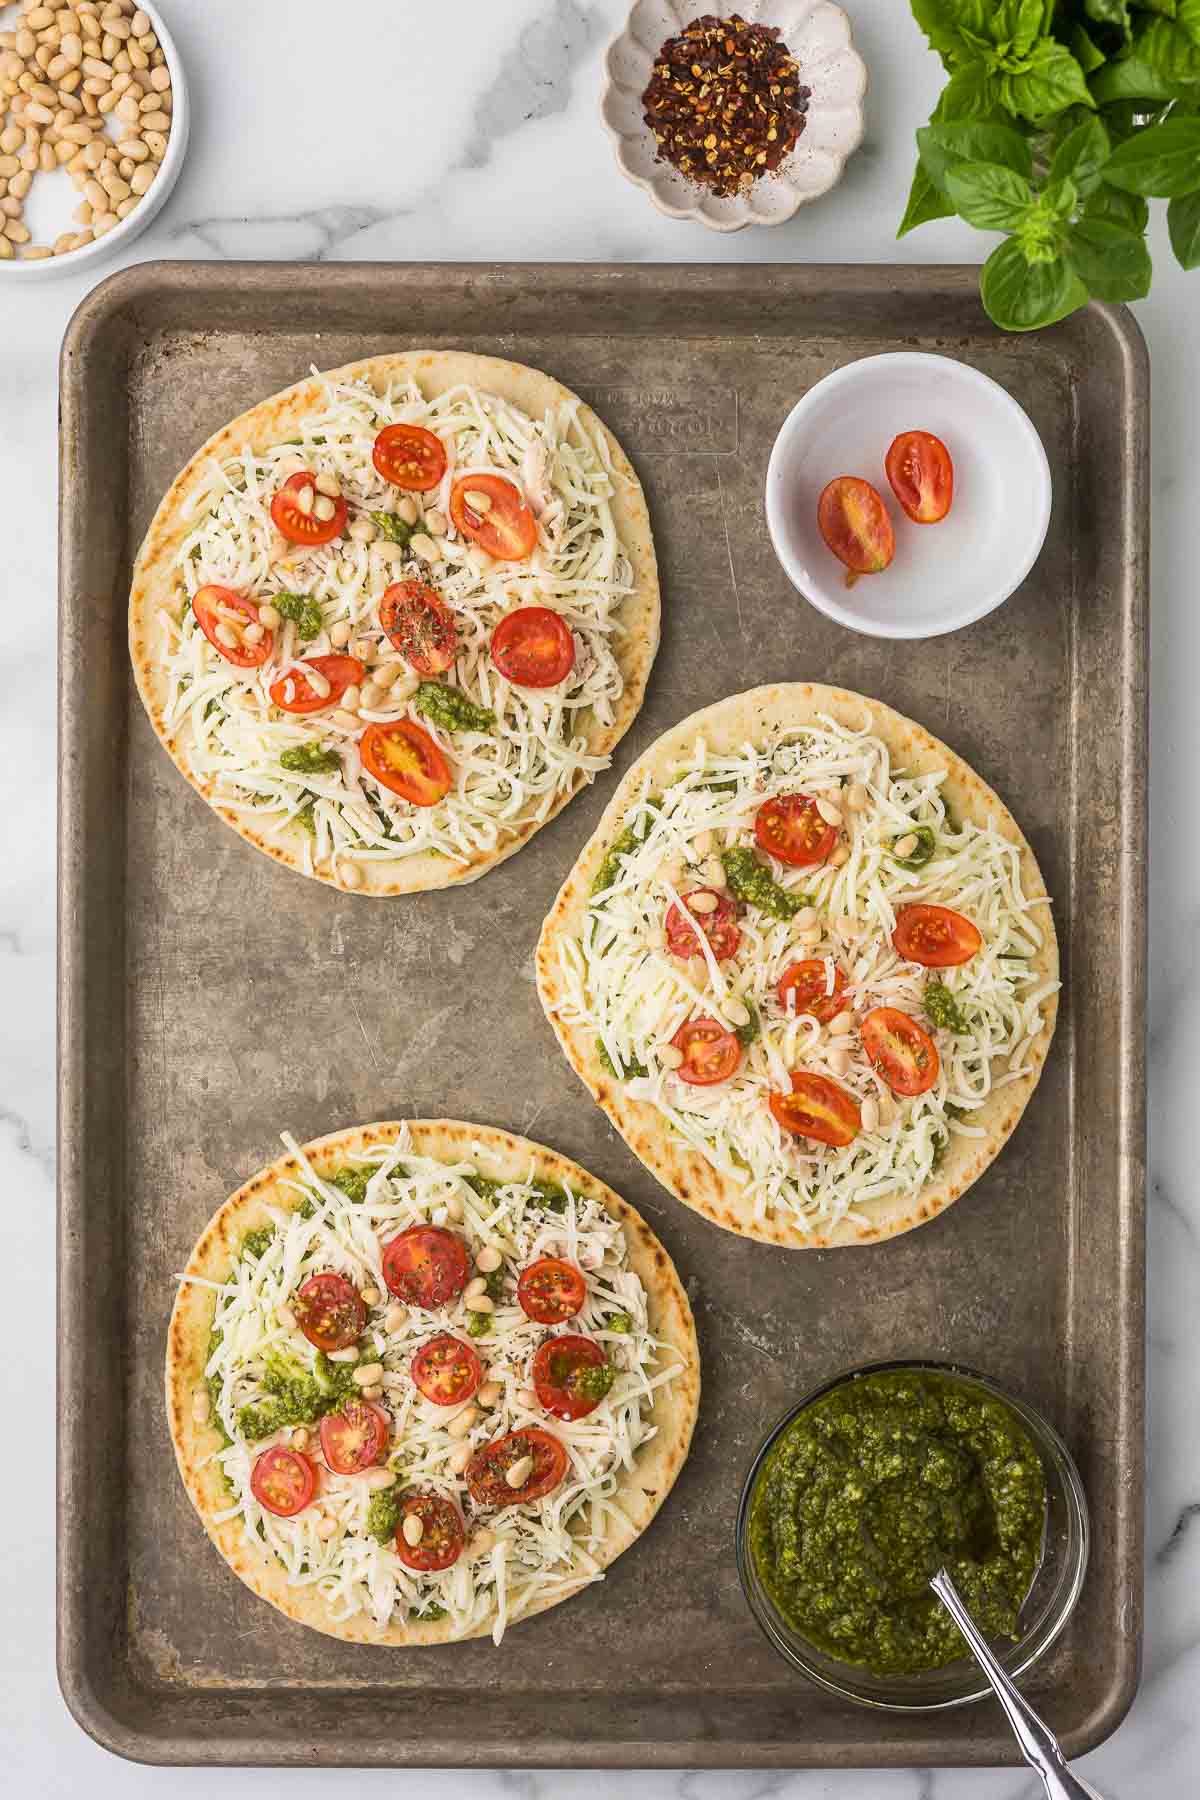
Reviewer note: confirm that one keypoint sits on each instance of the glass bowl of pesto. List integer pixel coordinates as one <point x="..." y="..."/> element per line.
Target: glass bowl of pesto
<point x="872" y="1481"/>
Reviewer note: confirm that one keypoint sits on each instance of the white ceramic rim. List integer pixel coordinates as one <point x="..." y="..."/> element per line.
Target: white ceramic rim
<point x="693" y="212"/>
<point x="773" y="490"/>
<point x="152" y="203"/>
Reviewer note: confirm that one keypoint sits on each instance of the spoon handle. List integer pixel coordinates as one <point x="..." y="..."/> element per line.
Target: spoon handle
<point x="1039" y="1746"/>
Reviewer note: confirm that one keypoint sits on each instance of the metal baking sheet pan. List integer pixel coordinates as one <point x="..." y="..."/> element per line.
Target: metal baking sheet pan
<point x="210" y="999"/>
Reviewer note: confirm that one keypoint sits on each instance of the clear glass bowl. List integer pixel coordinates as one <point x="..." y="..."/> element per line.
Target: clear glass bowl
<point x="1049" y="1604"/>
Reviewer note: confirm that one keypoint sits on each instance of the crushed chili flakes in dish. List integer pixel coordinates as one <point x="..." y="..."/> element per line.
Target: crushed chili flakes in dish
<point x="725" y="102"/>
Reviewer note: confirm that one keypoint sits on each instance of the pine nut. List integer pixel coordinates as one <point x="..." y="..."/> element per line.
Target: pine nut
<point x="350" y="1355"/>
<point x="394" y="1319"/>
<point x="371" y="696"/>
<point x="268" y="616"/>
<point x="737" y="1014"/>
<point x="379" y="1479"/>
<point x="810" y="936"/>
<point x="669" y="1057"/>
<point x="326" y="1527"/>
<point x="478" y="502"/>
<point x="841" y="1023"/>
<point x="839" y="1061"/>
<point x="870" y="1114"/>
<point x="339" y="634"/>
<point x="482" y="1543"/>
<point x="474" y="1288"/>
<point x="351" y="697"/>
<point x="843" y="926"/>
<point x="458" y="1459"/>
<point x="6" y="250"/>
<point x="253" y="634"/>
<point x="97" y="67"/>
<point x="806" y="918"/>
<point x="47" y="161"/>
<point x="839" y="858"/>
<point x="454" y="1207"/>
<point x="304" y="497"/>
<point x="160" y="80"/>
<point x="703" y="903"/>
<point x="201" y="1406"/>
<point x="372" y="1296"/>
<point x="906" y="845"/>
<point x="350" y="875"/>
<point x="462" y="1422"/>
<point x="224" y="633"/>
<point x="831" y="814"/>
<point x="367" y="1374"/>
<point x="362" y="531"/>
<point x="141" y="179"/>
<point x="856" y="797"/>
<point x="299" y="1438"/>
<point x="519" y="1473"/>
<point x="286" y="1316"/>
<point x="140" y="23"/>
<point x="489" y="1393"/>
<point x="317" y="682"/>
<point x="386" y="674"/>
<point x="57" y="67"/>
<point x="96" y="197"/>
<point x="132" y="147"/>
<point x="21" y="184"/>
<point x="406" y="510"/>
<point x="478" y="1303"/>
<point x="373" y="1393"/>
<point x="64" y="243"/>
<point x="527" y="1398"/>
<point x="345" y="721"/>
<point x="436" y="522"/>
<point x="328" y="484"/>
<point x="11" y="139"/>
<point x="713" y="872"/>
<point x="324" y="508"/>
<point x="489" y="1259"/>
<point x="423" y="546"/>
<point x="154" y="141"/>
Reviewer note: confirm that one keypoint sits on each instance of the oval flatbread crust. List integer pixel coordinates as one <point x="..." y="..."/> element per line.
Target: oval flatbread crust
<point x="272" y="422"/>
<point x="751" y="718"/>
<point x="503" y="1157"/>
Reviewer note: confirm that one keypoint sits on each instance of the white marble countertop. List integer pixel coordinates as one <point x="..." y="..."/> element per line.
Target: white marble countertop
<point x="469" y="130"/>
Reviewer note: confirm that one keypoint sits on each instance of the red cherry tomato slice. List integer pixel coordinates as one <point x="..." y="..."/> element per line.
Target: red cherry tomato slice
<point x="405" y="759"/>
<point x="283" y="1481"/>
<point x="802" y="990"/>
<point x="330" y="1312"/>
<point x="486" y="1469"/>
<point x="356" y="1438"/>
<point x="919" y="468"/>
<point x="205" y="602"/>
<point x="818" y="1108"/>
<point x="900" y="1051"/>
<point x="442" y="1533"/>
<point x="446" y="1370"/>
<point x="551" y="1291"/>
<point x="410" y="457"/>
<point x="305" y="527"/>
<point x="853" y="521"/>
<point x="294" y="693"/>
<point x="532" y="647"/>
<point x="718" y="926"/>
<point x="426" y="1266"/>
<point x="711" y="1053"/>
<point x="420" y="625"/>
<point x="560" y="1375"/>
<point x="936" y="936"/>
<point x="790" y="827"/>
<point x="507" y="529"/>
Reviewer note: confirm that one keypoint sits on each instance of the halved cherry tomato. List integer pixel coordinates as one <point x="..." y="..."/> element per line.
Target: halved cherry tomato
<point x="330" y="1312"/>
<point x="711" y="1053"/>
<point x="900" y="1051"/>
<point x="718" y="926"/>
<point x="410" y="457"/>
<point x="802" y="989"/>
<point x="506" y="529"/>
<point x="922" y="475"/>
<point x="442" y="1533"/>
<point x="854" y="523"/>
<point x="305" y="527"/>
<point x="791" y="828"/>
<point x="551" y="1291"/>
<point x="486" y="1469"/>
<point x="936" y="936"/>
<point x="406" y="760"/>
<point x="420" y="625"/>
<point x="560" y="1375"/>
<point x="818" y="1108"/>
<point x="340" y="672"/>
<point x="446" y="1370"/>
<point x="283" y="1481"/>
<point x="532" y="647"/>
<point x="355" y="1438"/>
<point x="205" y="602"/>
<point x="426" y="1266"/>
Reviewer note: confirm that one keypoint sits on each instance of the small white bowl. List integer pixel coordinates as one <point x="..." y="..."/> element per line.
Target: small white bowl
<point x="816" y="33"/>
<point x="152" y="203"/>
<point x="943" y="576"/>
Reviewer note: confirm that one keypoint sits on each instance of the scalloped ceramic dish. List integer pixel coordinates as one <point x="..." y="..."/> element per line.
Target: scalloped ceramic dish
<point x="816" y="33"/>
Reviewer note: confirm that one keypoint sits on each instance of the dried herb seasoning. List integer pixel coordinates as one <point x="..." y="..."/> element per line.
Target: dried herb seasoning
<point x="725" y="102"/>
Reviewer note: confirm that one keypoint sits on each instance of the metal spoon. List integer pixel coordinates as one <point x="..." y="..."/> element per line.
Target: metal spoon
<point x="1039" y="1746"/>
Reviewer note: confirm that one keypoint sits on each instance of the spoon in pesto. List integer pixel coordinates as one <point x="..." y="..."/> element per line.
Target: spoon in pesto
<point x="1039" y="1746"/>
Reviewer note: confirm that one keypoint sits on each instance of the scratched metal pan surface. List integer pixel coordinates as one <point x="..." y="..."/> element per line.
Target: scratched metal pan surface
<point x="209" y="998"/>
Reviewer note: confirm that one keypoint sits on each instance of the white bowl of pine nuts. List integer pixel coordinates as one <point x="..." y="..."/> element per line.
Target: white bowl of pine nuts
<point x="93" y="91"/>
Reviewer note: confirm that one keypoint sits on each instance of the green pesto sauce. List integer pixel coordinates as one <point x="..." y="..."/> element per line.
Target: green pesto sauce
<point x="922" y="851"/>
<point x="619" y="1321"/>
<point x="627" y="1071"/>
<point x="303" y="609"/>
<point x="383" y="1514"/>
<point x="941" y="1008"/>
<point x="872" y="1489"/>
<point x="622" y="846"/>
<point x="750" y="882"/>
<point x="309" y="759"/>
<point x="450" y="708"/>
<point x="308" y="818"/>
<point x="256" y="1242"/>
<point x="297" y="1395"/>
<point x="751" y="1031"/>
<point x="392" y="527"/>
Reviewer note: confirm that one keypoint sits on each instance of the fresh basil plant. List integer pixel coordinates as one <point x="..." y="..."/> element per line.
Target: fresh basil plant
<point x="1059" y="121"/>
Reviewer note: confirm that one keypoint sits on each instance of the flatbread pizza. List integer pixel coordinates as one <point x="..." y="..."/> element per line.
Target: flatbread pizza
<point x="390" y="620"/>
<point x="807" y="966"/>
<point x="425" y="1380"/>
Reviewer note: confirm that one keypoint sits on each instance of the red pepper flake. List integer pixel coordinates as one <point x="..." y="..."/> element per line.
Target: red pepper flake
<point x="725" y="102"/>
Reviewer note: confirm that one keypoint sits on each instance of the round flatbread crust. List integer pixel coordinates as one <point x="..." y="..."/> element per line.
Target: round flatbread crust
<point x="271" y="422"/>
<point x="503" y="1157"/>
<point x="726" y="726"/>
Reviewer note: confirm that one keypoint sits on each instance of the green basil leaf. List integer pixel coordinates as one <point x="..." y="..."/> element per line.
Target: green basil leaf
<point x="1059" y="198"/>
<point x="1021" y="296"/>
<point x="1081" y="156"/>
<point x="988" y="196"/>
<point x="1118" y="207"/>
<point x="1052" y="80"/>
<point x="1027" y="21"/>
<point x="944" y="21"/>
<point x="924" y="203"/>
<point x="1114" y="263"/>
<point x="1109" y="12"/>
<point x="1085" y="52"/>
<point x="1188" y="14"/>
<point x="1171" y="48"/>
<point x="1130" y="78"/>
<point x="1162" y="161"/>
<point x="941" y="147"/>
<point x="1183" y="222"/>
<point x="1166" y="7"/>
<point x="972" y="92"/>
